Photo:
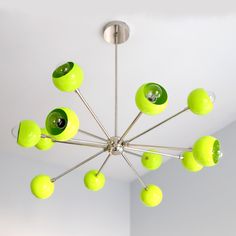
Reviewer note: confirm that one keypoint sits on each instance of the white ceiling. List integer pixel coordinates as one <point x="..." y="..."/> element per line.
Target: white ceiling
<point x="179" y="44"/>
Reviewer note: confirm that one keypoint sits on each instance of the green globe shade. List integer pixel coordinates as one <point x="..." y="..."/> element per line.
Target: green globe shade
<point x="42" y="187"/>
<point x="44" y="144"/>
<point x="29" y="133"/>
<point x="190" y="163"/>
<point x="93" y="181"/>
<point x="206" y="151"/>
<point x="151" y="99"/>
<point x="68" y="77"/>
<point x="62" y="124"/>
<point x="151" y="161"/>
<point x="199" y="102"/>
<point x="152" y="196"/>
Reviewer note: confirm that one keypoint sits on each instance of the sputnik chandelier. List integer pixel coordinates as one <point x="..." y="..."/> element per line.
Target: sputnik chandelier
<point x="62" y="125"/>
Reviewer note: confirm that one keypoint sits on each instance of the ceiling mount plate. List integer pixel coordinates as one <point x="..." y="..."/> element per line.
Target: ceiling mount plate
<point x="116" y="32"/>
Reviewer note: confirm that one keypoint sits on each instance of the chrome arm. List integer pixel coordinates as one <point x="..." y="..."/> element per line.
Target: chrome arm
<point x="116" y="80"/>
<point x="148" y="151"/>
<point x="159" y="147"/>
<point x="130" y="126"/>
<point x="81" y="142"/>
<point x="134" y="170"/>
<point x="133" y="153"/>
<point x="159" y="124"/>
<point x="92" y="135"/>
<point x="77" y="166"/>
<point x="92" y="113"/>
<point x="103" y="164"/>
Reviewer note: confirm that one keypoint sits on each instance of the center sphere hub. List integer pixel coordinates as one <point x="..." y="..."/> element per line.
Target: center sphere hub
<point x="114" y="147"/>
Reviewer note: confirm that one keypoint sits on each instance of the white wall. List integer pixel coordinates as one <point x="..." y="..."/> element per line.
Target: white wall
<point x="73" y="210"/>
<point x="201" y="203"/>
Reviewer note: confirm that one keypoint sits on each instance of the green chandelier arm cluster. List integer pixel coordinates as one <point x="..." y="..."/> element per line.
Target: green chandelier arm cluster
<point x="62" y="124"/>
<point x="199" y="102"/>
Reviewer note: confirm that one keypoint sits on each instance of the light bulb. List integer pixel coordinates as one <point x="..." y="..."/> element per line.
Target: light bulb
<point x="153" y="93"/>
<point x="220" y="154"/>
<point x="56" y="121"/>
<point x="212" y="96"/>
<point x="14" y="131"/>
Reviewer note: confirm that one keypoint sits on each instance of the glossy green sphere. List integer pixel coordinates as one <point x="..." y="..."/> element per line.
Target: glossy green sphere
<point x="29" y="133"/>
<point x="151" y="99"/>
<point x="68" y="77"/>
<point x="42" y="187"/>
<point x="152" y="196"/>
<point x="206" y="151"/>
<point x="151" y="161"/>
<point x="199" y="102"/>
<point x="62" y="124"/>
<point x="44" y="144"/>
<point x="190" y="163"/>
<point x="93" y="181"/>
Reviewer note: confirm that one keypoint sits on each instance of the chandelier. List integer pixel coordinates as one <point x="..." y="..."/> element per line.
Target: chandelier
<point x="62" y="124"/>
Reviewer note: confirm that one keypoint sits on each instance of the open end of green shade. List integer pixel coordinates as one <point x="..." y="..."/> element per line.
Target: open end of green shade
<point x="63" y="70"/>
<point x="56" y="121"/>
<point x="155" y="93"/>
<point x="216" y="151"/>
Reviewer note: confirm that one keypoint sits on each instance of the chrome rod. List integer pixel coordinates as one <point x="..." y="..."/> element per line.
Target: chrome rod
<point x="92" y="113"/>
<point x="92" y="135"/>
<point x="82" y="131"/>
<point x="77" y="166"/>
<point x="81" y="142"/>
<point x="159" y="124"/>
<point x="133" y="153"/>
<point x="87" y="141"/>
<point x="103" y="164"/>
<point x="148" y="151"/>
<point x="116" y="79"/>
<point x="130" y="126"/>
<point x="46" y="136"/>
<point x="159" y="147"/>
<point x="134" y="170"/>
